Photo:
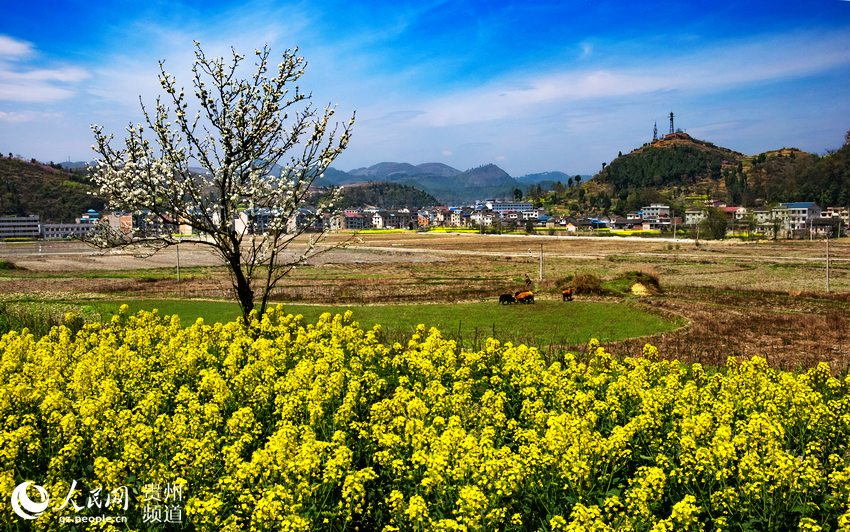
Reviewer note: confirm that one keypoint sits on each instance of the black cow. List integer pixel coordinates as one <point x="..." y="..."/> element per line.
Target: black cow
<point x="506" y="299"/>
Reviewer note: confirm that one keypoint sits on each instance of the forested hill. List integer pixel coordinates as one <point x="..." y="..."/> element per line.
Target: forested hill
<point x="680" y="170"/>
<point x="385" y="196"/>
<point x="678" y="165"/>
<point x="674" y="160"/>
<point x="55" y="194"/>
<point x="789" y="174"/>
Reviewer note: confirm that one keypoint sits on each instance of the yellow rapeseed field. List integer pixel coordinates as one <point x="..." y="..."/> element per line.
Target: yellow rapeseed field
<point x="287" y="425"/>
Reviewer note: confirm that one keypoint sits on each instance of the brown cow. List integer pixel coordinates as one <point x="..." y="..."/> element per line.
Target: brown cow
<point x="526" y="297"/>
<point x="567" y="294"/>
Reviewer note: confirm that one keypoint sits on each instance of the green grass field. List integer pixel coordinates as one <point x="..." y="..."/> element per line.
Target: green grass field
<point x="542" y="324"/>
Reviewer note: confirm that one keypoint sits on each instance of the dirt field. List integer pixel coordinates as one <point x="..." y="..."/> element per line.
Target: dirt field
<point x="741" y="298"/>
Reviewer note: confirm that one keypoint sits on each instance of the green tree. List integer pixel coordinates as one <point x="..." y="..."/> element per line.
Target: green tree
<point x="714" y="225"/>
<point x="517" y="194"/>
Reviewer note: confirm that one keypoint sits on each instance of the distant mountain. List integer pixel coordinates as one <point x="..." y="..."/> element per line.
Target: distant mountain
<point x="446" y="184"/>
<point x="549" y="180"/>
<point x="540" y="177"/>
<point x="76" y="165"/>
<point x="386" y="169"/>
<point x="439" y="169"/>
<point x="334" y="177"/>
<point x="56" y="195"/>
<point x="488" y="181"/>
<point x="385" y="196"/>
<point x="382" y="170"/>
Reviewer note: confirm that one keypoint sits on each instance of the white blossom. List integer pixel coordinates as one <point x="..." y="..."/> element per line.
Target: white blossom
<point x="240" y="130"/>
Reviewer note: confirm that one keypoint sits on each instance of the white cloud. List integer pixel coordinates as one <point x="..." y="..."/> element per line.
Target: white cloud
<point x="20" y="81"/>
<point x="707" y="70"/>
<point x="14" y="48"/>
<point x="27" y="116"/>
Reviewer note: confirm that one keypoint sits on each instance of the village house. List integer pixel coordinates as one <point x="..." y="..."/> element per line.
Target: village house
<point x="655" y="212"/>
<point x="457" y="218"/>
<point x="401" y="219"/>
<point x="822" y="227"/>
<point x="505" y="206"/>
<point x="619" y="222"/>
<point x="694" y="216"/>
<point x="841" y="213"/>
<point x="120" y="221"/>
<point x="379" y="220"/>
<point x="795" y="217"/>
<point x="483" y="217"/>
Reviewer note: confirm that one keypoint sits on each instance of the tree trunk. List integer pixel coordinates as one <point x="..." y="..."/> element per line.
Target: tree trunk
<point x="246" y="300"/>
<point x="243" y="290"/>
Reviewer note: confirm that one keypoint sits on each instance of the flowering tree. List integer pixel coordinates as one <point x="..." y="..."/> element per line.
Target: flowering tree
<point x="261" y="145"/>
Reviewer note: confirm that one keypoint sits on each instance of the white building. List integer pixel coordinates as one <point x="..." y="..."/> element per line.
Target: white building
<point x="75" y="230"/>
<point x="485" y="218"/>
<point x="122" y="222"/>
<point x="694" y="216"/>
<point x="379" y="220"/>
<point x="763" y="216"/>
<point x="741" y="213"/>
<point x="795" y="217"/>
<point x="842" y="213"/>
<point x="655" y="211"/>
<point x="20" y="226"/>
<point x="504" y="206"/>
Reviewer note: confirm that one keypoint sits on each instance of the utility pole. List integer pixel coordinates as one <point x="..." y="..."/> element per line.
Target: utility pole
<point x="827" y="263"/>
<point x="673" y="215"/>
<point x="540" y="269"/>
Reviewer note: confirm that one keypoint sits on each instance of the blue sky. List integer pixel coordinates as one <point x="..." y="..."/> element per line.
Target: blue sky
<point x="530" y="86"/>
